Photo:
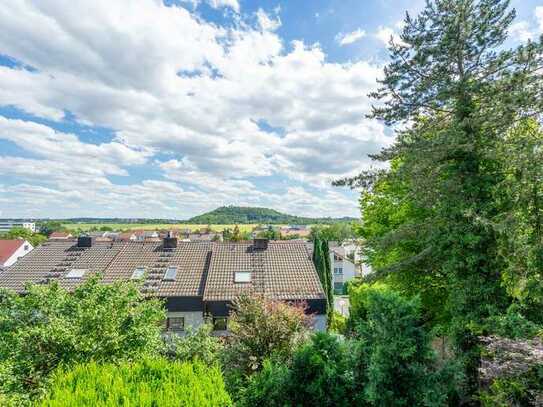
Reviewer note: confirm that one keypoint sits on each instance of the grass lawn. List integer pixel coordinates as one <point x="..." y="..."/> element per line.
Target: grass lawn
<point x="152" y="226"/>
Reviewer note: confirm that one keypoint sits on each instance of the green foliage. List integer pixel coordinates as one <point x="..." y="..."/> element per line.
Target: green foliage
<point x="49" y="326"/>
<point x="337" y="232"/>
<point x="458" y="213"/>
<point x="320" y="374"/>
<point x="244" y="215"/>
<point x="48" y="227"/>
<point x="396" y="363"/>
<point x="149" y="382"/>
<point x="338" y="323"/>
<point x="523" y="390"/>
<point x="261" y="329"/>
<point x="520" y="221"/>
<point x="512" y="325"/>
<point x="195" y="345"/>
<point x="270" y="387"/>
<point x="321" y="259"/>
<point x="35" y="239"/>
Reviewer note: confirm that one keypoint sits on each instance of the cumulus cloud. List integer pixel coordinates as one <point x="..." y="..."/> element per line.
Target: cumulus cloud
<point x="349" y="38"/>
<point x="385" y="34"/>
<point x="168" y="83"/>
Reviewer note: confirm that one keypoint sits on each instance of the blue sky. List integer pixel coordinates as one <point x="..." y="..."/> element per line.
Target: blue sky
<point x="166" y="110"/>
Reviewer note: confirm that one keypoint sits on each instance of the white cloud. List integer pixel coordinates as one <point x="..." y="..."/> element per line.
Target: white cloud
<point x="539" y="17"/>
<point x="521" y="31"/>
<point x="267" y="23"/>
<point x="384" y="34"/>
<point x="233" y="4"/>
<point x="169" y="83"/>
<point x="525" y="30"/>
<point x="349" y="38"/>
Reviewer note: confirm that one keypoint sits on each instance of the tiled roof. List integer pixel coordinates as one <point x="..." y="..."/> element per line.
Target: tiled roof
<point x="282" y="271"/>
<point x="204" y="269"/>
<point x="59" y="235"/>
<point x="8" y="247"/>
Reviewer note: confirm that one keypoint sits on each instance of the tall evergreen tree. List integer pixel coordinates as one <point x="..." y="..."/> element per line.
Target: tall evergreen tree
<point x="321" y="259"/>
<point x="453" y="90"/>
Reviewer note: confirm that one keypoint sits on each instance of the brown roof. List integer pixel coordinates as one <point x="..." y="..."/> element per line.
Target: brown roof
<point x="59" y="235"/>
<point x="204" y="269"/>
<point x="282" y="271"/>
<point x="8" y="247"/>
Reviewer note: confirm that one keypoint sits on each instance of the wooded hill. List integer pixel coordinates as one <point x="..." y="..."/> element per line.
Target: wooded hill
<point x="243" y="215"/>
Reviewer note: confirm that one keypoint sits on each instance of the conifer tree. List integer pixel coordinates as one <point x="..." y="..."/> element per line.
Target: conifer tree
<point x="452" y="91"/>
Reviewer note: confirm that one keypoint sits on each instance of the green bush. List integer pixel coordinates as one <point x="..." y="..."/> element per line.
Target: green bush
<point x="195" y="345"/>
<point x="396" y="364"/>
<point x="148" y="383"/>
<point x="50" y="326"/>
<point x="261" y="329"/>
<point x="320" y="375"/>
<point x="512" y="325"/>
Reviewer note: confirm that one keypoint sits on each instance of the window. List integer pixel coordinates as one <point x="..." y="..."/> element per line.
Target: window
<point x="138" y="273"/>
<point x="76" y="273"/>
<point x="26" y="247"/>
<point x="338" y="270"/>
<point x="175" y="324"/>
<point x="338" y="288"/>
<point x="220" y="323"/>
<point x="336" y="257"/>
<point x="170" y="274"/>
<point x="242" y="277"/>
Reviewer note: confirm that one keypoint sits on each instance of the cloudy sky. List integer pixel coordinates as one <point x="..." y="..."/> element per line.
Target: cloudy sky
<point x="167" y="109"/>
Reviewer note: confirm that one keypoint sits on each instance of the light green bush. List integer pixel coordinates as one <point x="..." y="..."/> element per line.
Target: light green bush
<point x="148" y="383"/>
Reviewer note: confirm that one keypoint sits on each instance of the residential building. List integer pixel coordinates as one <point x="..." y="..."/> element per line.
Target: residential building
<point x="6" y="226"/>
<point x="343" y="269"/>
<point x="196" y="279"/>
<point x="12" y="250"/>
<point x="60" y="235"/>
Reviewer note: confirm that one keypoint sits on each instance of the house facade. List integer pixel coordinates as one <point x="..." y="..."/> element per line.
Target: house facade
<point x="197" y="280"/>
<point x="12" y="250"/>
<point x="7" y="226"/>
<point x="343" y="269"/>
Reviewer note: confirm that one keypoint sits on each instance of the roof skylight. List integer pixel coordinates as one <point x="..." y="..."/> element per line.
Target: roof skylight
<point x="76" y="273"/>
<point x="170" y="274"/>
<point x="138" y="273"/>
<point x="242" y="277"/>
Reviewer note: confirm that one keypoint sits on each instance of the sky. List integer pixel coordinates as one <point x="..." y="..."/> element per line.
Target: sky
<point x="167" y="109"/>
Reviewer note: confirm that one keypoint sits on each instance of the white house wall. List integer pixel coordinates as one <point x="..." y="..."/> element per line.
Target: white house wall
<point x="24" y="249"/>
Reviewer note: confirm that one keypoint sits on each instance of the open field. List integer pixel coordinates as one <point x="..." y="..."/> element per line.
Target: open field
<point x="152" y="226"/>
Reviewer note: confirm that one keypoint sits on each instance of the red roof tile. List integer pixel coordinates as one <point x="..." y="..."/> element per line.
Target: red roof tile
<point x="8" y="247"/>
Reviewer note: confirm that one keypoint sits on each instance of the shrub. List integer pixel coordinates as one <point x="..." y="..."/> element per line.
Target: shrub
<point x="270" y="387"/>
<point x="150" y="382"/>
<point x="50" y="326"/>
<point x="320" y="375"/>
<point x="396" y="362"/>
<point x="261" y="329"/>
<point x="195" y="345"/>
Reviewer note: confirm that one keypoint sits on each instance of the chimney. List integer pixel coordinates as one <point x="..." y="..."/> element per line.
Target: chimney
<point x="84" y="241"/>
<point x="169" y="242"/>
<point x="260" y="244"/>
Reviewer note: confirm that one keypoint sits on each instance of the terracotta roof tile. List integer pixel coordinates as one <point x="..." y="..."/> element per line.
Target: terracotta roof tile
<point x="8" y="247"/>
<point x="204" y="269"/>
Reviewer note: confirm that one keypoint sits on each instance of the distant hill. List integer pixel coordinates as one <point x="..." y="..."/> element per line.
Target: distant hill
<point x="243" y="215"/>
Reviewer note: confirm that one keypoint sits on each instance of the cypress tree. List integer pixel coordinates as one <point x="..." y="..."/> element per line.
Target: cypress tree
<point x="321" y="259"/>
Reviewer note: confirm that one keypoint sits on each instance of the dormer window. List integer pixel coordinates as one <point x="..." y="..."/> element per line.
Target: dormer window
<point x="242" y="277"/>
<point x="138" y="273"/>
<point x="76" y="273"/>
<point x="170" y="274"/>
